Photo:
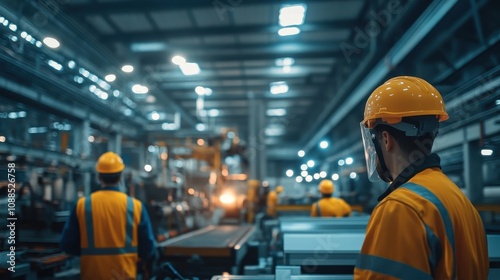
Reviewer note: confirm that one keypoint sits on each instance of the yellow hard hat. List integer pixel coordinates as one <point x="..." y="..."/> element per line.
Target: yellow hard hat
<point x="326" y="187"/>
<point x="109" y="162"/>
<point x="279" y="189"/>
<point x="253" y="183"/>
<point x="401" y="97"/>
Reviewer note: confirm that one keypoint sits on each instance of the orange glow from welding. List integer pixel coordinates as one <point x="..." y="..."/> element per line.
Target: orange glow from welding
<point x="200" y="142"/>
<point x="191" y="191"/>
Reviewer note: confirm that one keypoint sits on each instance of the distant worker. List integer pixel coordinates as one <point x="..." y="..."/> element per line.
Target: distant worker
<point x="272" y="201"/>
<point x="109" y="230"/>
<point x="424" y="227"/>
<point x="252" y="199"/>
<point x="329" y="206"/>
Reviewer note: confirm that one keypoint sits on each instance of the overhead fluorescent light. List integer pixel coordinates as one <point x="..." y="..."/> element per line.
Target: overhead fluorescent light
<point x="274" y="130"/>
<point x="287" y="69"/>
<point x="335" y="176"/>
<point x="2" y="139"/>
<point x="486" y="152"/>
<point x="50" y="42"/>
<point x="292" y="15"/>
<point x="276" y="112"/>
<point x="13" y="27"/>
<point x="208" y="91"/>
<point x="201" y="127"/>
<point x="169" y="126"/>
<point x="497" y="102"/>
<point x="285" y="61"/>
<point x="148" y="47"/>
<point x="199" y="90"/>
<point x="54" y="65"/>
<point x="155" y="116"/>
<point x="71" y="64"/>
<point x="178" y="60"/>
<point x="301" y="153"/>
<point x="213" y="113"/>
<point x="38" y="44"/>
<point x="128" y="68"/>
<point x="110" y="78"/>
<point x="34" y="130"/>
<point x="349" y="161"/>
<point x="116" y="93"/>
<point x="140" y="89"/>
<point x="84" y="72"/>
<point x="288" y="31"/>
<point x="189" y="69"/>
<point x="323" y="144"/>
<point x="279" y="87"/>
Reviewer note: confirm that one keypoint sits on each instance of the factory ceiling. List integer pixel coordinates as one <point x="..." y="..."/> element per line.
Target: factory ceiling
<point x="197" y="64"/>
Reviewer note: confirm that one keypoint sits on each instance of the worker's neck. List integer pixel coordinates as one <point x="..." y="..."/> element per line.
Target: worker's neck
<point x="108" y="185"/>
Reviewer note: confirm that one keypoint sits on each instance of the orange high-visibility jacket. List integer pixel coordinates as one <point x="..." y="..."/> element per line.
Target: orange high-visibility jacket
<point x="425" y="229"/>
<point x="272" y="202"/>
<point x="330" y="207"/>
<point x="108" y="223"/>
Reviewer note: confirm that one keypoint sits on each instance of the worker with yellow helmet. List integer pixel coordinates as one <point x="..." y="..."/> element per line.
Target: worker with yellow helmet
<point x="110" y="231"/>
<point x="424" y="227"/>
<point x="329" y="206"/>
<point x="272" y="201"/>
<point x="253" y="188"/>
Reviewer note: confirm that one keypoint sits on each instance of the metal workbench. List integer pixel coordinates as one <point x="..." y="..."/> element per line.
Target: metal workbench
<point x="323" y="225"/>
<point x="212" y="250"/>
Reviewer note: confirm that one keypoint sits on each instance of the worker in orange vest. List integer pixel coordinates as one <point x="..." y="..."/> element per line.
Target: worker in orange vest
<point x="252" y="198"/>
<point x="109" y="230"/>
<point x="272" y="201"/>
<point x="329" y="206"/>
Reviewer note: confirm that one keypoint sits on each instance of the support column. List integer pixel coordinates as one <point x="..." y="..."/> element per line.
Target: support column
<point x="84" y="140"/>
<point x="473" y="170"/>
<point x="252" y="138"/>
<point x="115" y="143"/>
<point x="261" y="125"/>
<point x="85" y="154"/>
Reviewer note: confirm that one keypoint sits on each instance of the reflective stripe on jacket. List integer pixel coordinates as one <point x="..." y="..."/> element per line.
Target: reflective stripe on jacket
<point x="425" y="229"/>
<point x="330" y="207"/>
<point x="108" y="222"/>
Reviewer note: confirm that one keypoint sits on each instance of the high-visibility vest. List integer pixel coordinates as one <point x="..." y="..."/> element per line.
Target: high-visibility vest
<point x="330" y="207"/>
<point x="108" y="223"/>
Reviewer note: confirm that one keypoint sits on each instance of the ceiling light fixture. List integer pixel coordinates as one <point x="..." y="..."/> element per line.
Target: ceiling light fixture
<point x="178" y="60"/>
<point x="51" y="42"/>
<point x="190" y="69"/>
<point x="279" y="87"/>
<point x="110" y="78"/>
<point x="292" y="15"/>
<point x="140" y="89"/>
<point x="288" y="31"/>
<point x="128" y="68"/>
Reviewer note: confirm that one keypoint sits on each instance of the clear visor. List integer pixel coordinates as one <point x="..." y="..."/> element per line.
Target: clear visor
<point x="370" y="154"/>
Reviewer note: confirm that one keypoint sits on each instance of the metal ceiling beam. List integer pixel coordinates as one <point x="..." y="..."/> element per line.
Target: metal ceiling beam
<point x="133" y="6"/>
<point x="148" y="36"/>
<point x="205" y="79"/>
<point x="256" y="89"/>
<point x="419" y="29"/>
<point x="241" y="47"/>
<point x="199" y="58"/>
<point x="232" y="97"/>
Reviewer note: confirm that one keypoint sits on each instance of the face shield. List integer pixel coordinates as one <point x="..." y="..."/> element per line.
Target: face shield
<point x="370" y="153"/>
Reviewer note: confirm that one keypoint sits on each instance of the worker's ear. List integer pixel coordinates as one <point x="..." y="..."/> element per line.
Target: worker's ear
<point x="387" y="141"/>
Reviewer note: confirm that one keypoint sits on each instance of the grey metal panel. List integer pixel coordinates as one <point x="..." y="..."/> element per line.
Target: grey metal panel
<point x="343" y="249"/>
<point x="324" y="225"/>
<point x="323" y="249"/>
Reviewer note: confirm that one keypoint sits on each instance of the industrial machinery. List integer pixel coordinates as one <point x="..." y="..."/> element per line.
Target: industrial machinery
<point x="212" y="250"/>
